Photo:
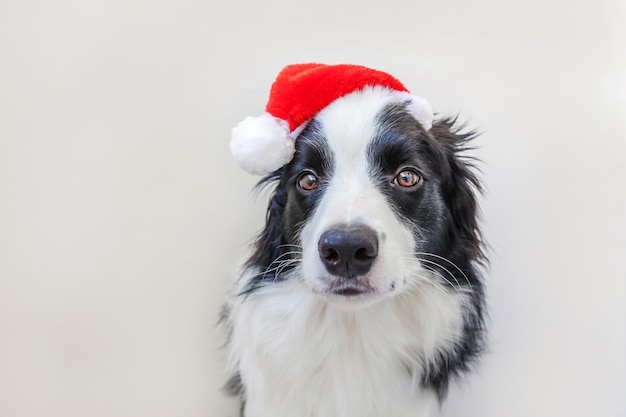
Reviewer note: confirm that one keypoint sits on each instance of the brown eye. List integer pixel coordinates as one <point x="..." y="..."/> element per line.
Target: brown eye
<point x="308" y="181"/>
<point x="407" y="178"/>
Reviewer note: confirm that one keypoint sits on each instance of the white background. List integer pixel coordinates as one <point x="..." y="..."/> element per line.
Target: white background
<point x="122" y="216"/>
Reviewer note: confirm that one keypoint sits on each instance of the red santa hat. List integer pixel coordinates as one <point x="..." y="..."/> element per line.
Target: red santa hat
<point x="265" y="143"/>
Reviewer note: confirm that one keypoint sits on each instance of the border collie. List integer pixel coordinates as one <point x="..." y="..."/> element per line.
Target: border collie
<point x="362" y="296"/>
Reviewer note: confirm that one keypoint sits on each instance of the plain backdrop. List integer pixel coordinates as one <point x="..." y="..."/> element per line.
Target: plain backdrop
<point x="123" y="217"/>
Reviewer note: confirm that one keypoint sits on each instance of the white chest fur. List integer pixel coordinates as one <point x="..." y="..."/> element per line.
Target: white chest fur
<point x="302" y="357"/>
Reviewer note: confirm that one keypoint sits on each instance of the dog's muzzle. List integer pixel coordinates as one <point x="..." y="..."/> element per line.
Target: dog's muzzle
<point x="348" y="251"/>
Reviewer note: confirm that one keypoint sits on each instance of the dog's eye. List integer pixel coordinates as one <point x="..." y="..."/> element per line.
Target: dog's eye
<point x="407" y="178"/>
<point x="308" y="181"/>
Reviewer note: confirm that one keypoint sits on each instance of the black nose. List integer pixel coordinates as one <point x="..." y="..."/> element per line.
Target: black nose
<point x="348" y="252"/>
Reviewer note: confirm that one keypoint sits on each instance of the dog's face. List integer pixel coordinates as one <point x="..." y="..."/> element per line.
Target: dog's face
<point x="363" y="203"/>
<point x="371" y="202"/>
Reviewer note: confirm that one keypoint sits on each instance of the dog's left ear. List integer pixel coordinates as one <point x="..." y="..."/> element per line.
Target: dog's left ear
<point x="460" y="183"/>
<point x="270" y="241"/>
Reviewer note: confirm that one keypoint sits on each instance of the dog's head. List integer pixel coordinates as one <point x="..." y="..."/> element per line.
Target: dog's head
<point x="371" y="204"/>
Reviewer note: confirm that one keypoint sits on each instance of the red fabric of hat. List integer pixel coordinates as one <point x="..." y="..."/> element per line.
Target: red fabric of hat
<point x="302" y="90"/>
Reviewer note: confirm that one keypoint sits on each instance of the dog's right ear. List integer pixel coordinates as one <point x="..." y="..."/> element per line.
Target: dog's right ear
<point x="460" y="184"/>
<point x="269" y="244"/>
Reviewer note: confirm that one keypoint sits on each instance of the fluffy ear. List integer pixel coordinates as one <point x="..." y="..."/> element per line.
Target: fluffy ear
<point x="269" y="244"/>
<point x="460" y="185"/>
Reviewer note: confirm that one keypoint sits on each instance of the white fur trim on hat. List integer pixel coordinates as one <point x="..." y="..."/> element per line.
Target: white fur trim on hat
<point x="262" y="144"/>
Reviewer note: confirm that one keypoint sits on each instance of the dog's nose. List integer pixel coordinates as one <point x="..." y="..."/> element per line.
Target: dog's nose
<point x="348" y="252"/>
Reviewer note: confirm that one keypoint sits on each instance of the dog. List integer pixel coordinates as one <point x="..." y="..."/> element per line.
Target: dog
<point x="363" y="293"/>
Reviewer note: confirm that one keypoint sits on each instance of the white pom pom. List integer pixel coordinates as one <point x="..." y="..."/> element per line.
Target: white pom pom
<point x="421" y="110"/>
<point x="262" y="144"/>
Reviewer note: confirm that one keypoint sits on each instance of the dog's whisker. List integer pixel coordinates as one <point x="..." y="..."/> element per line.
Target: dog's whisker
<point x="440" y="275"/>
<point x="280" y="266"/>
<point x="287" y="254"/>
<point x="426" y="261"/>
<point x="445" y="269"/>
<point x="420" y="256"/>
<point x="280" y="262"/>
<point x="429" y="279"/>
<point x="448" y="261"/>
<point x="284" y="265"/>
<point x="277" y="267"/>
<point x="285" y="245"/>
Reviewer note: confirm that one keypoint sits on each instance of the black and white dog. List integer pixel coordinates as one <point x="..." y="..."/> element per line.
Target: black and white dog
<point x="362" y="297"/>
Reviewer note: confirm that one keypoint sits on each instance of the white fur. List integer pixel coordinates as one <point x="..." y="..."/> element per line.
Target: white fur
<point x="300" y="355"/>
<point x="422" y="111"/>
<point x="303" y="353"/>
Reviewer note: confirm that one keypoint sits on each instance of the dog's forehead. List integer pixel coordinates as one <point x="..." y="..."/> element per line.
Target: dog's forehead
<point x="350" y="123"/>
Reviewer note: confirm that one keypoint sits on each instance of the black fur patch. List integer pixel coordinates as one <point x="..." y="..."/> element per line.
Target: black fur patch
<point x="444" y="214"/>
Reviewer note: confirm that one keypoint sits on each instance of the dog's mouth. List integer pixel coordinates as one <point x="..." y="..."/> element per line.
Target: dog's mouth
<point x="350" y="290"/>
